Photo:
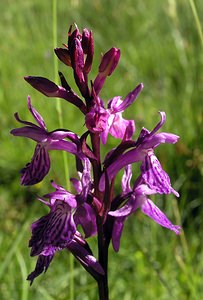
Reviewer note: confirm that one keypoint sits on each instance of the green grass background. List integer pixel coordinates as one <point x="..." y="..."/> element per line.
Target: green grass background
<point x="161" y="46"/>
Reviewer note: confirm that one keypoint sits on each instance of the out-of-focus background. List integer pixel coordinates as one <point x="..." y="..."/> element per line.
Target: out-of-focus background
<point x="161" y="45"/>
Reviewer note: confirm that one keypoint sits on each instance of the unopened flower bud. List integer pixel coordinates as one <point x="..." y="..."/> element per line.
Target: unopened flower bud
<point x="88" y="49"/>
<point x="64" y="55"/>
<point x="106" y="67"/>
<point x="43" y="85"/>
<point x="109" y="61"/>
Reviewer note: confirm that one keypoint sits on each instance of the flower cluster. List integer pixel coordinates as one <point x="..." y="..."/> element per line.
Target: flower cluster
<point x="94" y="206"/>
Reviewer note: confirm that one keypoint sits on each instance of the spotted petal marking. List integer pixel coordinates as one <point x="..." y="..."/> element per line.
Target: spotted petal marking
<point x="55" y="229"/>
<point x="155" y="176"/>
<point x="38" y="168"/>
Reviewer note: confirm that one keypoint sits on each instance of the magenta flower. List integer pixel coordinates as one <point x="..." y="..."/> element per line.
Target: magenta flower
<point x="79" y="248"/>
<point x="137" y="199"/>
<point x="117" y="126"/>
<point x="110" y="120"/>
<point x="57" y="230"/>
<point x="143" y="150"/>
<point x="96" y="119"/>
<point x="39" y="166"/>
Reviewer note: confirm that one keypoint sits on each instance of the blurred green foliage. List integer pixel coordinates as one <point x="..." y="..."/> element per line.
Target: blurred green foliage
<point x="160" y="47"/>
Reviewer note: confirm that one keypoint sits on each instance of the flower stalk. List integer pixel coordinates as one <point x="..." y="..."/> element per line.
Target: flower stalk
<point x="103" y="260"/>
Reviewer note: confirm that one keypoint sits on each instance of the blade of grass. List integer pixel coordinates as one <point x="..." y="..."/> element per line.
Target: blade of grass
<point x="58" y="103"/>
<point x="197" y="21"/>
<point x="65" y="159"/>
<point x="13" y="248"/>
<point x="24" y="272"/>
<point x="44" y="293"/>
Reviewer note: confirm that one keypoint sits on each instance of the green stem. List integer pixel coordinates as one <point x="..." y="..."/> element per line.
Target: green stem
<point x="65" y="158"/>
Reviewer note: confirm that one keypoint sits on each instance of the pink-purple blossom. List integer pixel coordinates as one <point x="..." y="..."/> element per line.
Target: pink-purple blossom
<point x="110" y="120"/>
<point x="142" y="150"/>
<point x="39" y="166"/>
<point x="137" y="198"/>
<point x="57" y="230"/>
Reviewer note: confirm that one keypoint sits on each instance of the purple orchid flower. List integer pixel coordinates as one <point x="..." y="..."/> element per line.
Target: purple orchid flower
<point x="137" y="199"/>
<point x="110" y="120"/>
<point x="83" y="213"/>
<point x="151" y="169"/>
<point x="39" y="166"/>
<point x="57" y="230"/>
<point x="79" y="248"/>
<point x="96" y="119"/>
<point x="52" y="232"/>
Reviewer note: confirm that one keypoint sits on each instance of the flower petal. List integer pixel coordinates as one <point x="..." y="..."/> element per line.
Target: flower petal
<point x="126" y="179"/>
<point x="123" y="160"/>
<point x="130" y="98"/>
<point x="35" y="133"/>
<point x="121" y="128"/>
<point x="117" y="231"/>
<point x="42" y="265"/>
<point x="152" y="211"/>
<point x="159" y="138"/>
<point x="36" y="115"/>
<point x="86" y="258"/>
<point x="50" y="89"/>
<point x="85" y="216"/>
<point x="62" y="195"/>
<point x="155" y="176"/>
<point x="160" y="124"/>
<point x="64" y="145"/>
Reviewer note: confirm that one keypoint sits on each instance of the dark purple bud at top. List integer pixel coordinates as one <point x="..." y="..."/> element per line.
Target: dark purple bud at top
<point x="77" y="57"/>
<point x="109" y="61"/>
<point x="86" y="37"/>
<point x="73" y="35"/>
<point x="88" y="49"/>
<point x="106" y="67"/>
<point x="77" y="61"/>
<point x="64" y="55"/>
